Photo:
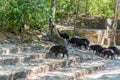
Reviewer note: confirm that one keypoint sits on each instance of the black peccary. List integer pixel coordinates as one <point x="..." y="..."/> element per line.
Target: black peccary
<point x="63" y="34"/>
<point x="59" y="49"/>
<point x="73" y="41"/>
<point x="108" y="53"/>
<point x="86" y="40"/>
<point x="95" y="48"/>
<point x="99" y="52"/>
<point x="78" y="42"/>
<point x="115" y="49"/>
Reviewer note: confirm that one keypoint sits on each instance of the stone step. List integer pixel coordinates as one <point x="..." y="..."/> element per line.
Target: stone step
<point x="21" y="49"/>
<point x="21" y="58"/>
<point x="34" y="67"/>
<point x="70" y="73"/>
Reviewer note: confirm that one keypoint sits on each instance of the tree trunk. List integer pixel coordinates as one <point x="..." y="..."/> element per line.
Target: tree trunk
<point x="52" y="19"/>
<point x="114" y="27"/>
<point x="70" y="14"/>
<point x="103" y="37"/>
<point x="87" y="8"/>
<point x="51" y="28"/>
<point x="76" y="16"/>
<point x="105" y="34"/>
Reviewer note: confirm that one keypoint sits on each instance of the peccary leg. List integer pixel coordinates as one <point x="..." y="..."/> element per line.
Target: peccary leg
<point x="56" y="54"/>
<point x="112" y="56"/>
<point x="67" y="55"/>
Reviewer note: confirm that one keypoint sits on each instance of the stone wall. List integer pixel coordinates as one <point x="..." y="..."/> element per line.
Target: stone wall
<point x="93" y="23"/>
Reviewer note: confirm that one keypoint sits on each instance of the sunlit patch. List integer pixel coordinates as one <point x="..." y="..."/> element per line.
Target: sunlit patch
<point x="118" y="57"/>
<point x="6" y="51"/>
<point x="110" y="72"/>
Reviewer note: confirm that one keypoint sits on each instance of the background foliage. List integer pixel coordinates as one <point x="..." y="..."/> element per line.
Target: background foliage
<point x="36" y="13"/>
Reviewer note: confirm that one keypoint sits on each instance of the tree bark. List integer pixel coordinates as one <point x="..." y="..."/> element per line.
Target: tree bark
<point x="51" y="28"/>
<point x="87" y="8"/>
<point x="52" y="19"/>
<point x="76" y="16"/>
<point x="105" y="34"/>
<point x="114" y="27"/>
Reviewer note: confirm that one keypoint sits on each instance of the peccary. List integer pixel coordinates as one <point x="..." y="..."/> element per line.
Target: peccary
<point x="95" y="48"/>
<point x="115" y="49"/>
<point x="79" y="42"/>
<point x="63" y="34"/>
<point x="86" y="40"/>
<point x="59" y="49"/>
<point x="108" y="53"/>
